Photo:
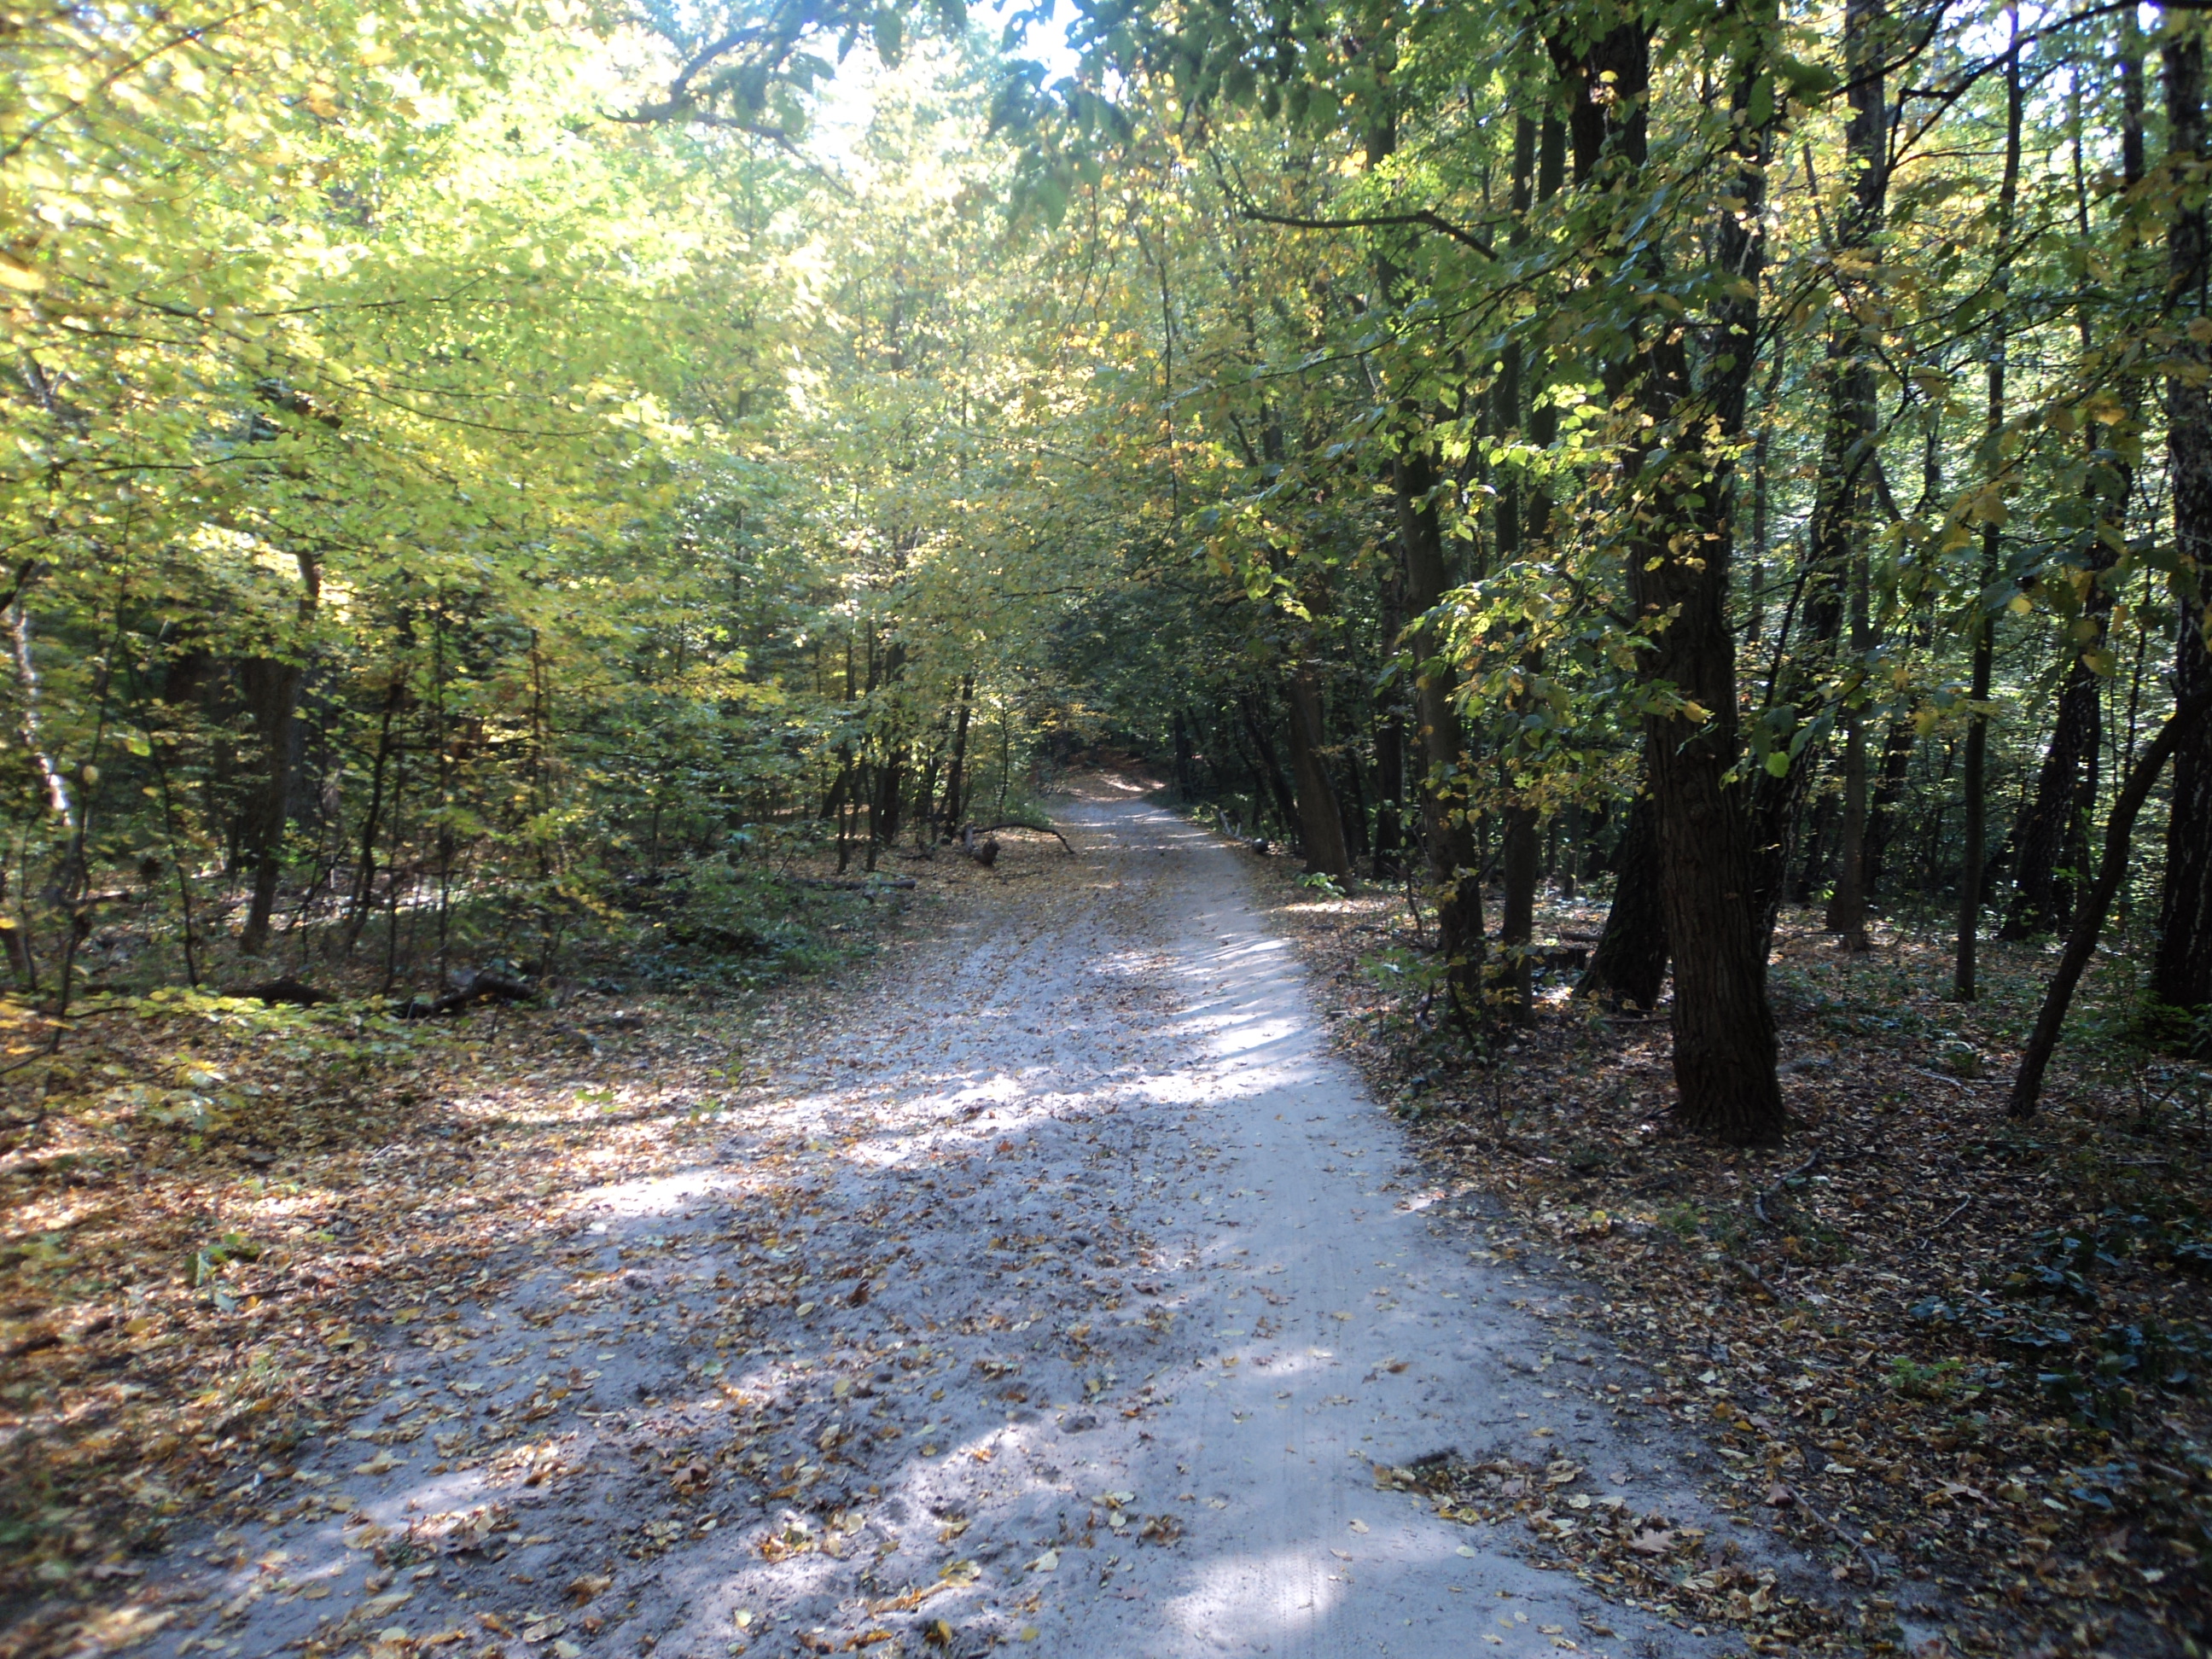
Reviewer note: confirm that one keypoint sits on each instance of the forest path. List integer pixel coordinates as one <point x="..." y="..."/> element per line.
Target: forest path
<point x="1066" y="1300"/>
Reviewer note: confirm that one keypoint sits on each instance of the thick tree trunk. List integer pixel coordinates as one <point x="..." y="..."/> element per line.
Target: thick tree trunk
<point x="273" y="695"/>
<point x="2181" y="972"/>
<point x="1352" y="801"/>
<point x="273" y="688"/>
<point x="1677" y="569"/>
<point x="1321" y="820"/>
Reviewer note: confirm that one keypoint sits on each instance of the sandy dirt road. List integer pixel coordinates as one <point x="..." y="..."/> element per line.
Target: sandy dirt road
<point x="1064" y="1302"/>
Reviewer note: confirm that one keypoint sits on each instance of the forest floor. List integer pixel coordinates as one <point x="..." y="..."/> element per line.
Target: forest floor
<point x="1045" y="1280"/>
<point x="1961" y="1360"/>
<point x="1051" y="1278"/>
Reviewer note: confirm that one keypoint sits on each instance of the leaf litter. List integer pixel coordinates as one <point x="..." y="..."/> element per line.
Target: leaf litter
<point x="271" y="1267"/>
<point x="1958" y="1360"/>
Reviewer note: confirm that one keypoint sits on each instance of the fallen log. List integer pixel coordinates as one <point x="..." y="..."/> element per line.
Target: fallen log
<point x="1016" y="823"/>
<point x="290" y="991"/>
<point x="470" y="989"/>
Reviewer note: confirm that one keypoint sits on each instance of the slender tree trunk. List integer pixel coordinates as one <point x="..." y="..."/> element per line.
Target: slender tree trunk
<point x="1888" y="791"/>
<point x="1857" y="414"/>
<point x="2051" y="842"/>
<point x="2049" y="833"/>
<point x="2182" y="727"/>
<point x="52" y="785"/>
<point x="1441" y="760"/>
<point x="1847" y="906"/>
<point x="364" y="882"/>
<point x="1320" y="819"/>
<point x="956" y="780"/>
<point x="1518" y="852"/>
<point x="2181" y="971"/>
<point x="1519" y="858"/>
<point x="1390" y="736"/>
<point x="1269" y="769"/>
<point x="273" y="689"/>
<point x="1964" y="986"/>
<point x="1630" y="962"/>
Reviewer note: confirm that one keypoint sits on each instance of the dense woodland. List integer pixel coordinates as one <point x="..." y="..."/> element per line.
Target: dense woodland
<point x="466" y="464"/>
<point x="461" y="461"/>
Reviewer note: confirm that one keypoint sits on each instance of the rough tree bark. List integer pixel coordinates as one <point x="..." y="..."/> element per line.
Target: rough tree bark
<point x="2181" y="971"/>
<point x="1678" y="571"/>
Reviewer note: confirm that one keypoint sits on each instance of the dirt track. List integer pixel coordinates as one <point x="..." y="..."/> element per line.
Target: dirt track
<point x="1080" y="1288"/>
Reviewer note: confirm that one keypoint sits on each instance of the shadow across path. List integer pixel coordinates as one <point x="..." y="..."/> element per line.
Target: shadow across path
<point x="1069" y="1299"/>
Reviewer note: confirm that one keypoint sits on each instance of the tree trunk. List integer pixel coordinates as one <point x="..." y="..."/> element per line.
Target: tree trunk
<point x="1808" y="884"/>
<point x="2184" y="725"/>
<point x="1630" y="962"/>
<point x="364" y="881"/>
<point x="1518" y="857"/>
<point x="1867" y="144"/>
<point x="1677" y="569"/>
<point x="956" y="780"/>
<point x="1390" y="739"/>
<point x="1321" y="819"/>
<point x="1440" y="756"/>
<point x="1454" y="868"/>
<point x="1881" y="810"/>
<point x="273" y="688"/>
<point x="2065" y="794"/>
<point x="1964" y="984"/>
<point x="2181" y="972"/>
<point x="1269" y="769"/>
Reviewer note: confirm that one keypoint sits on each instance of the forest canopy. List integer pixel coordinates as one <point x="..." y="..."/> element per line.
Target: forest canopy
<point x="465" y="461"/>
